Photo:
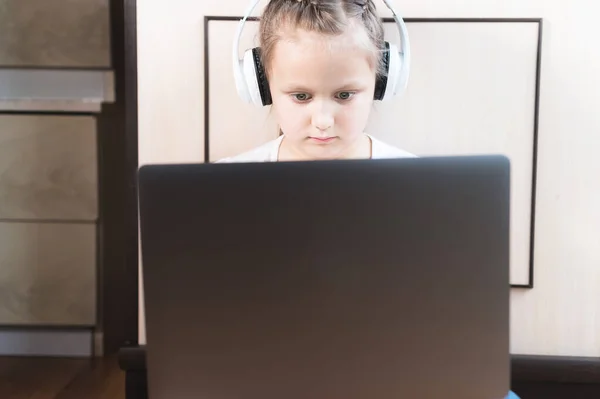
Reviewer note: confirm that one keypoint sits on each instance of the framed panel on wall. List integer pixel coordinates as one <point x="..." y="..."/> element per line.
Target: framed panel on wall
<point x="473" y="90"/>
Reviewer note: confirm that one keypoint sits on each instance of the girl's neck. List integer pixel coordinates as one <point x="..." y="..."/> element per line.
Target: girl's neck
<point x="360" y="149"/>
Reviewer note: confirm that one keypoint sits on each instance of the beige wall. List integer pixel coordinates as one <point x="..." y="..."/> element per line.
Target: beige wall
<point x="557" y="316"/>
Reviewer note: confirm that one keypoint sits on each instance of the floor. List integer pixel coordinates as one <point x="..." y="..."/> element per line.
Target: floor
<point x="57" y="378"/>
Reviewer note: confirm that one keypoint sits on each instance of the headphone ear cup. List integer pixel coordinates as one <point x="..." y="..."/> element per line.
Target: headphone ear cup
<point x="256" y="78"/>
<point x="381" y="81"/>
<point x="396" y="72"/>
<point x="261" y="75"/>
<point x="387" y="87"/>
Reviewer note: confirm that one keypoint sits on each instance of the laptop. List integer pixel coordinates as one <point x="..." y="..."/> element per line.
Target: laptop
<point x="353" y="279"/>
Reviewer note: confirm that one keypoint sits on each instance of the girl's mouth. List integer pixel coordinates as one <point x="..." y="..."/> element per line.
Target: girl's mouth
<point x="322" y="140"/>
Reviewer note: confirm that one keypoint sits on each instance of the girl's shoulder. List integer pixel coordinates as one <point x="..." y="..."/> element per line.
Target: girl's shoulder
<point x="264" y="153"/>
<point x="379" y="149"/>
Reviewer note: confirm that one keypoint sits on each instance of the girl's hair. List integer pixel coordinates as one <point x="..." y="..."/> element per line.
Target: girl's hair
<point x="328" y="17"/>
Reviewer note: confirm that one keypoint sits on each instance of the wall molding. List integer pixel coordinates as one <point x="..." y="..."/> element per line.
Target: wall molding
<point x="538" y="21"/>
<point x="557" y="369"/>
<point x="533" y="375"/>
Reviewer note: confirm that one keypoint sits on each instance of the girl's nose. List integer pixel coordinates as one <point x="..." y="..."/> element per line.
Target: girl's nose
<point x="322" y="119"/>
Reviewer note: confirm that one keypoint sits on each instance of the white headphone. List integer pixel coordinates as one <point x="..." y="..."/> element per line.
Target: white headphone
<point x="253" y="87"/>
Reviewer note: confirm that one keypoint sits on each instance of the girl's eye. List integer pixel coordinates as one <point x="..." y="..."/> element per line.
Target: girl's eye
<point x="301" y="97"/>
<point x="345" y="95"/>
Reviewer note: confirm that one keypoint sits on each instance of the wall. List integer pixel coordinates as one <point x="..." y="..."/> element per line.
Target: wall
<point x="54" y="76"/>
<point x="558" y="315"/>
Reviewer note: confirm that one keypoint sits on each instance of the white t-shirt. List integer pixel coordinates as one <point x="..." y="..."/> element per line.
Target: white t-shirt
<point x="269" y="151"/>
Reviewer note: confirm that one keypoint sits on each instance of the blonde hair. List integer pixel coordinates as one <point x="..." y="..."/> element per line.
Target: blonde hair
<point x="328" y="17"/>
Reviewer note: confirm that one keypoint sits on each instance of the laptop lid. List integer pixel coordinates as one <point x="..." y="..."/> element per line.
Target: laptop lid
<point x="352" y="279"/>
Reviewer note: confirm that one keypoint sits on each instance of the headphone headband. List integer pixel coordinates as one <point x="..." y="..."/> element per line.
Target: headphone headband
<point x="238" y="64"/>
<point x="404" y="54"/>
<point x="405" y="49"/>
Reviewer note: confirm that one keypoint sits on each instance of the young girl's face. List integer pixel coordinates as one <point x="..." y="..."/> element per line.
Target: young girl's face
<point x="322" y="89"/>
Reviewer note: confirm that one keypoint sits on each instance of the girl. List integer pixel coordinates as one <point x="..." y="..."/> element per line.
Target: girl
<point x="321" y="58"/>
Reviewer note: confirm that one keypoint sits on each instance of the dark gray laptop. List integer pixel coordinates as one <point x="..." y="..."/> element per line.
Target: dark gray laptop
<point x="364" y="279"/>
